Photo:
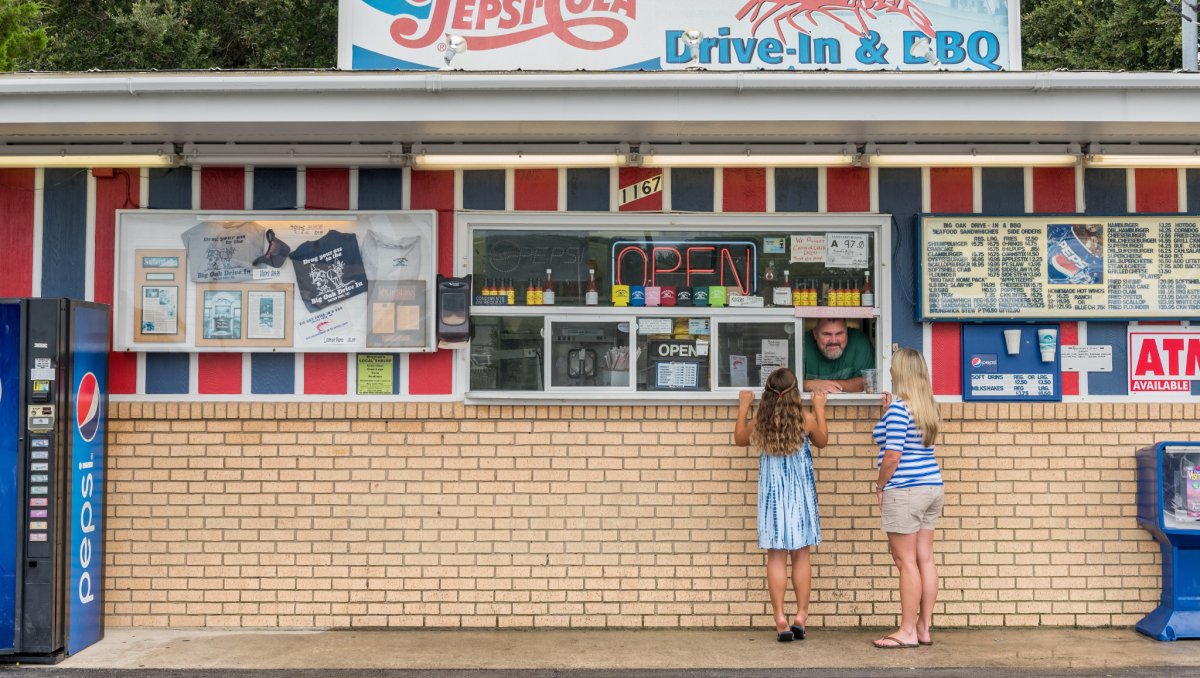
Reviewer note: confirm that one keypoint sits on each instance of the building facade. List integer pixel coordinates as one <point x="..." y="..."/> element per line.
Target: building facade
<point x="261" y="489"/>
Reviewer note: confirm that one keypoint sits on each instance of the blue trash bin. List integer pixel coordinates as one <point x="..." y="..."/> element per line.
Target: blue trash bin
<point x="1168" y="485"/>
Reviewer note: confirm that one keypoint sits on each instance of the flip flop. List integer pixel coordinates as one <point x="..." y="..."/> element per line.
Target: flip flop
<point x="798" y="632"/>
<point x="925" y="642"/>
<point x="785" y="636"/>
<point x="899" y="644"/>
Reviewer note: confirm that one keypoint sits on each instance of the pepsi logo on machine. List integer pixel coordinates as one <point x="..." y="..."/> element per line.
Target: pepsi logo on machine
<point x="87" y="407"/>
<point x="558" y="35"/>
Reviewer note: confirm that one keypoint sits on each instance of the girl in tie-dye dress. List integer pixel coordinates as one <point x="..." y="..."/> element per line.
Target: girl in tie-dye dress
<point x="787" y="493"/>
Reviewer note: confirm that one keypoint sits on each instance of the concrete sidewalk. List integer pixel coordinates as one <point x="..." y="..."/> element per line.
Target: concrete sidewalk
<point x="990" y="650"/>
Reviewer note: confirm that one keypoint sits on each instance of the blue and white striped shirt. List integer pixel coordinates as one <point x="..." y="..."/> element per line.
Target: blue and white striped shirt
<point x="897" y="431"/>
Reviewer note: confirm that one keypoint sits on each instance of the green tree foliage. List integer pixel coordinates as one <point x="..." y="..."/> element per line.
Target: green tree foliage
<point x="21" y="38"/>
<point x="1131" y="35"/>
<point x="171" y="34"/>
<point x="231" y="34"/>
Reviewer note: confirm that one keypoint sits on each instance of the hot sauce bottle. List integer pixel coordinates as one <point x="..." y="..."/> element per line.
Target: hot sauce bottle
<point x="592" y="296"/>
<point x="548" y="290"/>
<point x="868" y="291"/>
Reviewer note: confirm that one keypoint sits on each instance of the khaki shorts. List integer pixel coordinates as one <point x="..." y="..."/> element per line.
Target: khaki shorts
<point x="911" y="509"/>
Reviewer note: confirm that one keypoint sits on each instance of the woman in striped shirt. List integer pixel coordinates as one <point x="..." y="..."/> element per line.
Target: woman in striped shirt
<point x="787" y="490"/>
<point x="909" y="490"/>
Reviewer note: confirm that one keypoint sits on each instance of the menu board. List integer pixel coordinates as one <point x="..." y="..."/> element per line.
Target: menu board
<point x="976" y="267"/>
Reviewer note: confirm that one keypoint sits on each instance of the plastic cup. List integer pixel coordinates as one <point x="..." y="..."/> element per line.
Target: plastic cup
<point x="1047" y="343"/>
<point x="1012" y="340"/>
<point x="870" y="379"/>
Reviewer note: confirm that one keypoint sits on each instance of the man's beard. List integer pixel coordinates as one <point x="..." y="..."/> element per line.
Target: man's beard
<point x="833" y="352"/>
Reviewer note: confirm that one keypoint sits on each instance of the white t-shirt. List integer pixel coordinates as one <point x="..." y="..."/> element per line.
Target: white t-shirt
<point x="386" y="257"/>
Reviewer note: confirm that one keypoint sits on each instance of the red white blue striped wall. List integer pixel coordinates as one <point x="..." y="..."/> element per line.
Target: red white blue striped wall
<point x="58" y="226"/>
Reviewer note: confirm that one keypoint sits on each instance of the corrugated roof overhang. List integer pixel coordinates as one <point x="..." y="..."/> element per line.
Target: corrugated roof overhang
<point x="765" y="107"/>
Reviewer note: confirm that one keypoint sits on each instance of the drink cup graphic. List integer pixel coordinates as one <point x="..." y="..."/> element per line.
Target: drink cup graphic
<point x="1047" y="343"/>
<point x="1012" y="341"/>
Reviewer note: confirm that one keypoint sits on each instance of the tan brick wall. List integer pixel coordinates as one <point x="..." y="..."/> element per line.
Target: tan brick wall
<point x="430" y="515"/>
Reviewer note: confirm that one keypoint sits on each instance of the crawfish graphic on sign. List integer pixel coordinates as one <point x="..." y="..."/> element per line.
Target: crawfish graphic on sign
<point x="853" y="14"/>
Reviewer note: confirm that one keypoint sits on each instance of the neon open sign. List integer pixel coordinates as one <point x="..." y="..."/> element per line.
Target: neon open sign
<point x="686" y="263"/>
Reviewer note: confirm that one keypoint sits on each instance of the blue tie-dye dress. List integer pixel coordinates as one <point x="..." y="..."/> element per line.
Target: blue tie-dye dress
<point x="787" y="501"/>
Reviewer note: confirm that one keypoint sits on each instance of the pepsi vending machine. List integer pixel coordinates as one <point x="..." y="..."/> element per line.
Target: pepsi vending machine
<point x="53" y="381"/>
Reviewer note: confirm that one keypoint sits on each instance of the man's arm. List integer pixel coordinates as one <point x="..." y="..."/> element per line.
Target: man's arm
<point x="854" y="385"/>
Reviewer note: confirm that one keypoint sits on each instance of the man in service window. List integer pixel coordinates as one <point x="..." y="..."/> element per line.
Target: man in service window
<point x="835" y="356"/>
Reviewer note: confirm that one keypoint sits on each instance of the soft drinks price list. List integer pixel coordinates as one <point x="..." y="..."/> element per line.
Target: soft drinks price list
<point x="1012" y="385"/>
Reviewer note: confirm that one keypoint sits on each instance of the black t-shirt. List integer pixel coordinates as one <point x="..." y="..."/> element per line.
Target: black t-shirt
<point x="329" y="269"/>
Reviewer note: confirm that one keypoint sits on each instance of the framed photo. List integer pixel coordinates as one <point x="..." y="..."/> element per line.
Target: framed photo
<point x="160" y="308"/>
<point x="219" y="314"/>
<point x="269" y="315"/>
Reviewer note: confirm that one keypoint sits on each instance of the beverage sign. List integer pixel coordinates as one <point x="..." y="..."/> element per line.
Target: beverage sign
<point x="605" y="35"/>
<point x="89" y="372"/>
<point x="1059" y="267"/>
<point x="1163" y="361"/>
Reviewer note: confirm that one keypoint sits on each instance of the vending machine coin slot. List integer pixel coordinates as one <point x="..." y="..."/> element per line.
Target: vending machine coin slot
<point x="41" y="418"/>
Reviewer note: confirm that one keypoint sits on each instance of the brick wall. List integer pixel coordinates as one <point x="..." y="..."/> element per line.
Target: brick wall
<point x="431" y="515"/>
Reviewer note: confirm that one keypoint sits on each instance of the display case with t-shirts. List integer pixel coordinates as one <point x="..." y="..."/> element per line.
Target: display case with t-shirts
<point x="222" y="281"/>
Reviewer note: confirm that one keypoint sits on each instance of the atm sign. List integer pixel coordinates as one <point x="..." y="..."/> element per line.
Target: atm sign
<point x="1163" y="362"/>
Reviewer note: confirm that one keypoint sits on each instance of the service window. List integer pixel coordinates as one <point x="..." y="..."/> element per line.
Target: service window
<point x="661" y="307"/>
<point x="749" y="350"/>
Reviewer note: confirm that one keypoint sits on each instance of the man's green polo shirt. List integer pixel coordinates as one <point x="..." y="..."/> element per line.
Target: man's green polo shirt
<point x="858" y="356"/>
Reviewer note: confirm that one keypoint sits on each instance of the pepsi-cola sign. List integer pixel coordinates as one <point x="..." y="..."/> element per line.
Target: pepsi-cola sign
<point x="505" y="35"/>
<point x="89" y="371"/>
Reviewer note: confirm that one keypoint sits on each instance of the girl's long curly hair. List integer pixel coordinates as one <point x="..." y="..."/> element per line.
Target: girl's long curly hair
<point x="779" y="421"/>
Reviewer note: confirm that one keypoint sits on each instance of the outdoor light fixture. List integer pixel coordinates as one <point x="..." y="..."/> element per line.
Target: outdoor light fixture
<point x="455" y="45"/>
<point x="991" y="155"/>
<point x="922" y="48"/>
<point x="1137" y="155"/>
<point x="733" y="155"/>
<point x="692" y="39"/>
<point x="485" y="156"/>
<point x="305" y="155"/>
<point x="88" y="156"/>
